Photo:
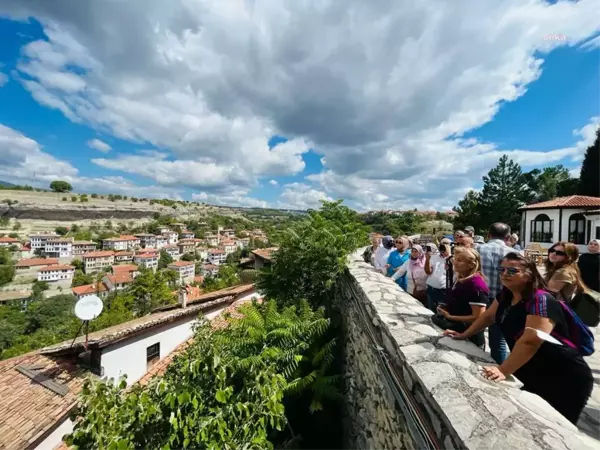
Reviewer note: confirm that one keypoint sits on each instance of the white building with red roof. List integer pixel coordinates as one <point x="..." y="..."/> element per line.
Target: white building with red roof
<point x="217" y="256"/>
<point x="99" y="260"/>
<point x="6" y="241"/>
<point x="574" y="219"/>
<point x="81" y="247"/>
<point x="56" y="272"/>
<point x="147" y="260"/>
<point x="59" y="248"/>
<point x="121" y="243"/>
<point x="185" y="269"/>
<point x="90" y="289"/>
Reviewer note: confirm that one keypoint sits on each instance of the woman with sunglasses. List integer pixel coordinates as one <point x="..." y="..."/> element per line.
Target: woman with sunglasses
<point x="562" y="274"/>
<point x="527" y="315"/>
<point x="397" y="258"/>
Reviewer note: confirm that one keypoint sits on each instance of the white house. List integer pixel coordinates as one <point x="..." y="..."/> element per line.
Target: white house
<point x="185" y="269"/>
<point x="95" y="261"/>
<point x="6" y="241"/>
<point x="147" y="260"/>
<point x="81" y="247"/>
<point x="56" y="272"/>
<point x="216" y="256"/>
<point x="121" y="243"/>
<point x="202" y="253"/>
<point x="211" y="239"/>
<point x="228" y="246"/>
<point x="147" y="240"/>
<point x="38" y="240"/>
<point x="574" y="219"/>
<point x="59" y="248"/>
<point x="161" y="241"/>
<point x="90" y="289"/>
<point x="172" y="250"/>
<point x="172" y="236"/>
<point x="186" y="234"/>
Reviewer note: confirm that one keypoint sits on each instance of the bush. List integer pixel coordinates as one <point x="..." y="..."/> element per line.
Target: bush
<point x="64" y="199"/>
<point x="94" y="195"/>
<point x="73" y="198"/>
<point x="60" y="186"/>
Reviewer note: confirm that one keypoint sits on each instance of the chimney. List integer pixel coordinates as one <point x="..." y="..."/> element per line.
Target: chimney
<point x="183" y="296"/>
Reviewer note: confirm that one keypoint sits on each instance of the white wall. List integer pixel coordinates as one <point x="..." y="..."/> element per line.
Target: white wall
<point x="55" y="438"/>
<point x="553" y="214"/>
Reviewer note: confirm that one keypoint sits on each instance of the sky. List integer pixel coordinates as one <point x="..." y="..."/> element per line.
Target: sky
<point x="386" y="104"/>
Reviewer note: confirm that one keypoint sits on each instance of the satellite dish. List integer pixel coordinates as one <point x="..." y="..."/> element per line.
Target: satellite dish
<point x="88" y="307"/>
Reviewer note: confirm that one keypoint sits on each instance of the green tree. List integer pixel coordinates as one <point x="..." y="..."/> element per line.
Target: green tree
<point x="551" y="182"/>
<point x="78" y="264"/>
<point x="164" y="260"/>
<point x="60" y="186"/>
<point x="150" y="291"/>
<point x="61" y="230"/>
<point x="16" y="226"/>
<point x="7" y="268"/>
<point x="81" y="279"/>
<point x="505" y="190"/>
<point x="470" y="213"/>
<point x="588" y="179"/>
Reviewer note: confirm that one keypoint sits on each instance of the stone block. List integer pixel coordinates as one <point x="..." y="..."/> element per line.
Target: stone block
<point x="498" y="407"/>
<point x="416" y="352"/>
<point x="433" y="374"/>
<point x="465" y="347"/>
<point x="462" y="417"/>
<point x="456" y="359"/>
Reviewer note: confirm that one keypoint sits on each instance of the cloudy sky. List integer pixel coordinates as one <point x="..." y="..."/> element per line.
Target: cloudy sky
<point x="386" y="103"/>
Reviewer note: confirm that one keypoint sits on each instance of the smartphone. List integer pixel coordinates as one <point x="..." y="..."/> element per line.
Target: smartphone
<point x="428" y="248"/>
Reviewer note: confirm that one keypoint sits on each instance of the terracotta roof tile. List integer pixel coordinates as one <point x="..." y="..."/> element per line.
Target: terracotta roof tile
<point x="36" y="262"/>
<point x="573" y="201"/>
<point x="89" y="289"/>
<point x="100" y="254"/>
<point x="57" y="267"/>
<point x="120" y="277"/>
<point x="125" y="268"/>
<point x="265" y="253"/>
<point x="124" y="253"/>
<point x="181" y="263"/>
<point x="7" y="239"/>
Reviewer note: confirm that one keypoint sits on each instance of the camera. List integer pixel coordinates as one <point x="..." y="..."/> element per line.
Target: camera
<point x="428" y="248"/>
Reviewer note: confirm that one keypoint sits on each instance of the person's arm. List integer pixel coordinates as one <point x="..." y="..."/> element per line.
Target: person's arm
<point x="482" y="322"/>
<point x="527" y="346"/>
<point x="476" y="312"/>
<point x="401" y="270"/>
<point x="558" y="281"/>
<point x="428" y="270"/>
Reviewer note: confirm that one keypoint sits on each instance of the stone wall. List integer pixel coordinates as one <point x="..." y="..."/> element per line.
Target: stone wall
<point x="408" y="387"/>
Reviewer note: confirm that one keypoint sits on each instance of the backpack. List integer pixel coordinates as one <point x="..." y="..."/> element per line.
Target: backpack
<point x="580" y="336"/>
<point x="587" y="306"/>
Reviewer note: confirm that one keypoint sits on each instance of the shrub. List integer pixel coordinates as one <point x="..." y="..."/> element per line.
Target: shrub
<point x="73" y="198"/>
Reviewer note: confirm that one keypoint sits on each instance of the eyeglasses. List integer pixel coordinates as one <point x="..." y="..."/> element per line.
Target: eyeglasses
<point x="509" y="271"/>
<point x="558" y="252"/>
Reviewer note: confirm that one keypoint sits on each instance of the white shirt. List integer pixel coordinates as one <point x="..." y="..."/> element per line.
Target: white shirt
<point x="380" y="257"/>
<point x="437" y="279"/>
<point x="416" y="276"/>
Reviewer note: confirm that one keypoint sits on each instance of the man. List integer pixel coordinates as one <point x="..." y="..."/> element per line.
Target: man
<point x="435" y="267"/>
<point x="380" y="257"/>
<point x="470" y="233"/>
<point x="491" y="254"/>
<point x="467" y="241"/>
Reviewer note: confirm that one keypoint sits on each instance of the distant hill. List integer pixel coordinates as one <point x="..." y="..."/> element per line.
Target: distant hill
<point x="6" y="184"/>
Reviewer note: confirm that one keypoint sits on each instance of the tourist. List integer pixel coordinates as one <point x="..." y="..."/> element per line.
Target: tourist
<point x="479" y="240"/>
<point x="513" y="242"/>
<point x="491" y="254"/>
<point x="468" y="297"/>
<point x="414" y="269"/>
<point x="467" y="241"/>
<point x="546" y="365"/>
<point x="398" y="257"/>
<point x="435" y="267"/>
<point x="470" y="232"/>
<point x="382" y="254"/>
<point x="562" y="273"/>
<point x="589" y="266"/>
<point x="369" y="253"/>
<point x="458" y="235"/>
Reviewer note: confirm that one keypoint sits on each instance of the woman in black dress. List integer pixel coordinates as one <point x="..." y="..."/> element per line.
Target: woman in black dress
<point x="589" y="265"/>
<point x="527" y="316"/>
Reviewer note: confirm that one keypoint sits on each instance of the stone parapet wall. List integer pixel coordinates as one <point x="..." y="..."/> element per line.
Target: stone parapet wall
<point x="408" y="387"/>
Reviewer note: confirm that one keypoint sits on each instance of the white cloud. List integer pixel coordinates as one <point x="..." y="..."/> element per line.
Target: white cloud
<point x="3" y="79"/>
<point x="382" y="90"/>
<point x="274" y="183"/>
<point x="236" y="197"/>
<point x="301" y="196"/>
<point x="99" y="145"/>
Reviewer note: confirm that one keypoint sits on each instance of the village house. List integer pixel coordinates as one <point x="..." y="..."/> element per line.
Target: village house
<point x="120" y="277"/>
<point x="59" y="248"/>
<point x="95" y="261"/>
<point x="185" y="269"/>
<point x="163" y="230"/>
<point x="123" y="257"/>
<point x="56" y="272"/>
<point x="147" y="240"/>
<point x="243" y="242"/>
<point x="38" y="240"/>
<point x="202" y="253"/>
<point x="147" y="260"/>
<point x="90" y="289"/>
<point x="30" y="267"/>
<point x="216" y="256"/>
<point x="172" y="236"/>
<point x="561" y="219"/>
<point x="211" y="239"/>
<point x="6" y="241"/>
<point x="172" y="250"/>
<point x="40" y="389"/>
<point x="121" y="243"/>
<point x="161" y="241"/>
<point x="227" y="232"/>
<point x="186" y="246"/>
<point x="186" y="234"/>
<point x="81" y="247"/>
<point x="228" y="246"/>
<point x="262" y="257"/>
<point x="209" y="269"/>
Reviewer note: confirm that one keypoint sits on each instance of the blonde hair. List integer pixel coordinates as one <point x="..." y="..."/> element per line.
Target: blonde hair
<point x="474" y="259"/>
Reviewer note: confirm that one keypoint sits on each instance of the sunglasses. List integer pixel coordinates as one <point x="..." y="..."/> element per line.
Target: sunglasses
<point x="558" y="252"/>
<point x="509" y="271"/>
<point x="398" y="242"/>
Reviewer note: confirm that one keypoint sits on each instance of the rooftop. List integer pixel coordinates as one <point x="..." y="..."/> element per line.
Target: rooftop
<point x="57" y="267"/>
<point x="32" y="262"/>
<point x="265" y="253"/>
<point x="181" y="263"/>
<point x="124" y="253"/>
<point x="121" y="277"/>
<point x="83" y="243"/>
<point x="125" y="268"/>
<point x="89" y="289"/>
<point x="146" y="255"/>
<point x="99" y="254"/>
<point x="7" y="239"/>
<point x="573" y="201"/>
<point x="7" y="296"/>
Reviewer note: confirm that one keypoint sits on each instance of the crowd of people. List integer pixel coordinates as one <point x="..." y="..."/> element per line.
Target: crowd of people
<point x="537" y="324"/>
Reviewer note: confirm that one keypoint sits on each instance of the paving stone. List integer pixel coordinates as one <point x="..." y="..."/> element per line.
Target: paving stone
<point x="416" y="352"/>
<point x="498" y="407"/>
<point x="466" y="347"/>
<point x="426" y="330"/>
<point x="456" y="359"/>
<point x="433" y="374"/>
<point x="463" y="418"/>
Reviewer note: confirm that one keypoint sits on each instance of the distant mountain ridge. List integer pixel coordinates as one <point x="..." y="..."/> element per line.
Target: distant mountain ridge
<point x="6" y="184"/>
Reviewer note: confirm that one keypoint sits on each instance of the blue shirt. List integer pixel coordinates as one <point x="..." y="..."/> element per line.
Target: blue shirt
<point x="395" y="260"/>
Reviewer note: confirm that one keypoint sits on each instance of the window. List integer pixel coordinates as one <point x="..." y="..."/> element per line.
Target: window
<point x="577" y="229"/>
<point x="541" y="229"/>
<point x="152" y="355"/>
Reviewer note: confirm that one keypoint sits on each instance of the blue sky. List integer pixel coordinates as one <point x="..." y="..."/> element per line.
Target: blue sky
<point x="276" y="132"/>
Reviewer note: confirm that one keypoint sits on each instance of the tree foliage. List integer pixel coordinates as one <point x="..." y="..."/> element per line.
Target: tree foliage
<point x="225" y="391"/>
<point x="588" y="179"/>
<point x="164" y="260"/>
<point x="312" y="255"/>
<point x="393" y="224"/>
<point x="551" y="182"/>
<point x="470" y="213"/>
<point x="7" y="268"/>
<point x="60" y="186"/>
<point x="150" y="290"/>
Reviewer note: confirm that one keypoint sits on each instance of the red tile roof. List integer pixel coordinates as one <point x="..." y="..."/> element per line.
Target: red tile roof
<point x="196" y="295"/>
<point x="146" y="255"/>
<point x="125" y="268"/>
<point x="124" y="253"/>
<point x="100" y="254"/>
<point x="89" y="289"/>
<point x="120" y="277"/>
<point x="573" y="201"/>
<point x="265" y="253"/>
<point x="181" y="263"/>
<point x="209" y="266"/>
<point x="28" y="410"/>
<point x="199" y="279"/>
<point x="215" y="251"/>
<point x="9" y="240"/>
<point x="36" y="262"/>
<point x="57" y="267"/>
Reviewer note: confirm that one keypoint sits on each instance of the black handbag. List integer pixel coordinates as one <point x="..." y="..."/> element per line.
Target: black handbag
<point x="586" y="304"/>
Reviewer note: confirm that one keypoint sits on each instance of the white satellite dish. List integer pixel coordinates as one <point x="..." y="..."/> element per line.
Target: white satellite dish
<point x="88" y="307"/>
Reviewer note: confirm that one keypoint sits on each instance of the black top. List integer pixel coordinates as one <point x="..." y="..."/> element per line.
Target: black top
<point x="589" y="266"/>
<point x="551" y="362"/>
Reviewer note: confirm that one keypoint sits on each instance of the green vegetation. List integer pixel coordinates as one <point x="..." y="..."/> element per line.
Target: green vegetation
<point x="61" y="230"/>
<point x="60" y="186"/>
<point x="150" y="291"/>
<point x="7" y="267"/>
<point x="393" y="224"/>
<point x="226" y="277"/>
<point x="164" y="260"/>
<point x="588" y="179"/>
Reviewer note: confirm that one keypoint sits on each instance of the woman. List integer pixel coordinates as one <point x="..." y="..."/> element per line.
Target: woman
<point x="397" y="258"/>
<point x="381" y="255"/>
<point x="468" y="298"/>
<point x="369" y="253"/>
<point x="562" y="274"/>
<point x="415" y="269"/>
<point x="513" y="241"/>
<point x="589" y="266"/>
<point x="435" y="267"/>
<point x="527" y="315"/>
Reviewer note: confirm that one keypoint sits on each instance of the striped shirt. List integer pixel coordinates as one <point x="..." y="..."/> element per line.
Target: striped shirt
<point x="491" y="254"/>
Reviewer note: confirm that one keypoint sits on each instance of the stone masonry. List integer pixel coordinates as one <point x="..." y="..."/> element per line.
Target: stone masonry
<point x="409" y="387"/>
